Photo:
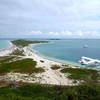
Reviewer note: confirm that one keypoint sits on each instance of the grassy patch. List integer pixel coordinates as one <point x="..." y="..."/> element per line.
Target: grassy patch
<point x="24" y="65"/>
<point x="23" y="43"/>
<point x="38" y="92"/>
<point x="38" y="70"/>
<point x="81" y="73"/>
<point x="8" y="64"/>
<point x="6" y="59"/>
<point x="55" y="67"/>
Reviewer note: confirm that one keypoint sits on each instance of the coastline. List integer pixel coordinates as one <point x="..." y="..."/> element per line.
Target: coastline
<point x="9" y="45"/>
<point x="49" y="76"/>
<point x="52" y="59"/>
<point x="12" y="47"/>
<point x="72" y="64"/>
<point x="56" y="60"/>
<point x="7" y="51"/>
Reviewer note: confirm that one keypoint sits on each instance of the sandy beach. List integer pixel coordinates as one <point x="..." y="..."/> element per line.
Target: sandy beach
<point x="48" y="77"/>
<point x="6" y="52"/>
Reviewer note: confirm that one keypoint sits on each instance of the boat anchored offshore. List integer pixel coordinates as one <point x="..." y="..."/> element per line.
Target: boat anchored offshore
<point x="85" y="46"/>
<point x="89" y="61"/>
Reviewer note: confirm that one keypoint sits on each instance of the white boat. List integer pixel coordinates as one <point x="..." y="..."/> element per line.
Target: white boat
<point x="85" y="46"/>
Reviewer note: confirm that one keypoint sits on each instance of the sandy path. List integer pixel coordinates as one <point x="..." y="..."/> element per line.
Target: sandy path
<point x="48" y="77"/>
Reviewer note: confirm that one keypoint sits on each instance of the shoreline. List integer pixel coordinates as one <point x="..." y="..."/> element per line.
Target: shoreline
<point x="51" y="59"/>
<point x="49" y="76"/>
<point x="9" y="45"/>
<point x="12" y="47"/>
<point x="7" y="51"/>
<point x="75" y="65"/>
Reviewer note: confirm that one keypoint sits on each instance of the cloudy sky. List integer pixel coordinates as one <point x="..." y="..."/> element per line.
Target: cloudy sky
<point x="50" y="18"/>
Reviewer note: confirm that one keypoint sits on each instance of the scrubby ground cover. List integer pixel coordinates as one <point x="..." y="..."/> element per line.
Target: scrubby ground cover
<point x="38" y="92"/>
<point x="23" y="43"/>
<point x="7" y="64"/>
<point x="82" y="74"/>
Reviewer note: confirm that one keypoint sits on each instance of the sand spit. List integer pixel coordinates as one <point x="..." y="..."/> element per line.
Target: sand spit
<point x="50" y="76"/>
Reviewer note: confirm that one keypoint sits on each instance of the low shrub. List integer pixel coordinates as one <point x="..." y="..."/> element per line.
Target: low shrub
<point x="55" y="67"/>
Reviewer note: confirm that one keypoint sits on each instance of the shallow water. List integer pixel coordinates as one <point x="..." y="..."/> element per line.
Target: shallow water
<point x="70" y="50"/>
<point x="4" y="44"/>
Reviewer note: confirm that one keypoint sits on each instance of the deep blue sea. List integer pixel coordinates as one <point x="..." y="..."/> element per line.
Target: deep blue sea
<point x="70" y="50"/>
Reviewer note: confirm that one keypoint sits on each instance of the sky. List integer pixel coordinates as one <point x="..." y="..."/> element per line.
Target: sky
<point x="50" y="18"/>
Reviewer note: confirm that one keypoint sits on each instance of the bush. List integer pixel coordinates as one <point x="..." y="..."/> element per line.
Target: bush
<point x="38" y="92"/>
<point x="42" y="61"/>
<point x="23" y="43"/>
<point x="81" y="73"/>
<point x="55" y="67"/>
<point x="24" y="66"/>
<point x="38" y="70"/>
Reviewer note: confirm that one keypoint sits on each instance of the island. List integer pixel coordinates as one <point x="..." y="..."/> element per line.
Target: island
<point x="25" y="75"/>
<point x="24" y="43"/>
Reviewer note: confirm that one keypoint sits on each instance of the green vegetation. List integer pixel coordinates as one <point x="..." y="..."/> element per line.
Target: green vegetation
<point x="38" y="92"/>
<point x="24" y="66"/>
<point x="6" y="59"/>
<point x="12" y="64"/>
<point x="23" y="43"/>
<point x="55" y="67"/>
<point x="38" y="70"/>
<point x="82" y="74"/>
<point x="18" y="52"/>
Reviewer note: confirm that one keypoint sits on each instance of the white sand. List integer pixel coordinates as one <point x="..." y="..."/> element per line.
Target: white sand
<point x="8" y="51"/>
<point x="48" y="77"/>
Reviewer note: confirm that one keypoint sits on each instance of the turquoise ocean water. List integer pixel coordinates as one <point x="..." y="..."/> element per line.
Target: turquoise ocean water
<point x="65" y="50"/>
<point x="70" y="50"/>
<point x="4" y="44"/>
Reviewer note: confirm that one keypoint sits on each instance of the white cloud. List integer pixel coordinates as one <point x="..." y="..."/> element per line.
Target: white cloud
<point x="69" y="34"/>
<point x="66" y="34"/>
<point x="82" y="17"/>
<point x="53" y="33"/>
<point x="35" y="32"/>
